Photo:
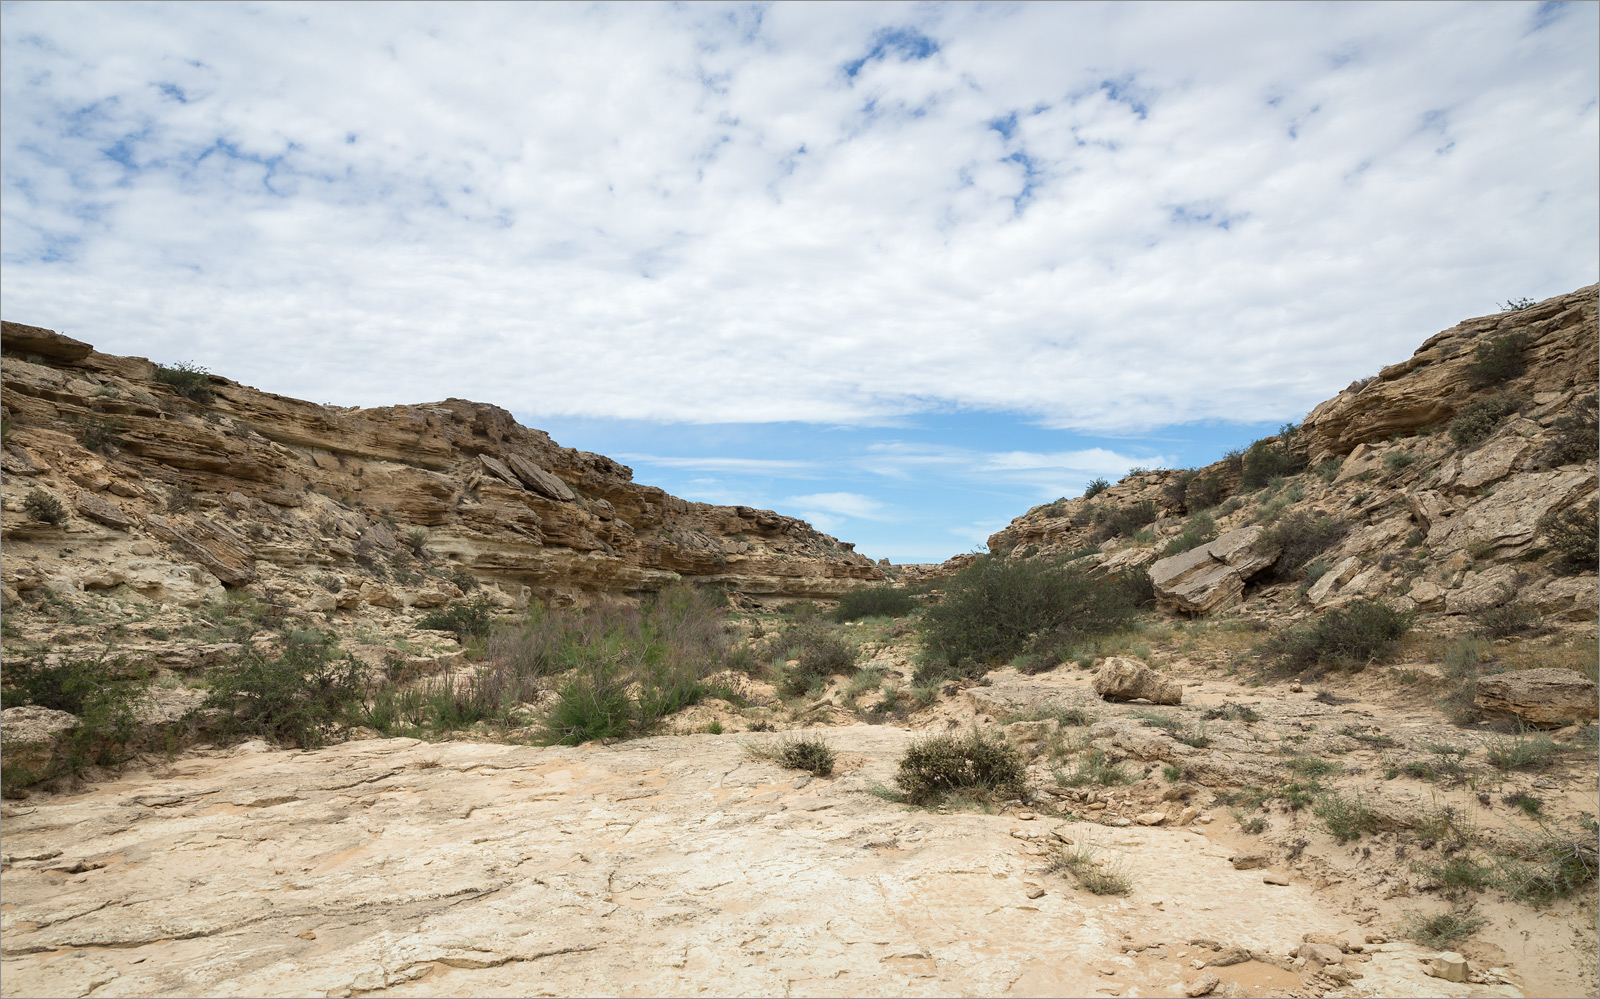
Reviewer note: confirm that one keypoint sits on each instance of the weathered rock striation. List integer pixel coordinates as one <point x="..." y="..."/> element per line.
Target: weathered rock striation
<point x="183" y="495"/>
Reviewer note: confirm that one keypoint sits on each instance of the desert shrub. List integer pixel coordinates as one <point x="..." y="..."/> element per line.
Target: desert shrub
<point x="878" y="601"/>
<point x="822" y="654"/>
<point x="103" y="692"/>
<point x="1095" y="487"/>
<point x="996" y="608"/>
<point x="416" y="539"/>
<point x="180" y="498"/>
<point x="1329" y="470"/>
<point x="1396" y="460"/>
<point x="1116" y="521"/>
<point x="1300" y="537"/>
<point x="1522" y="751"/>
<point x="1198" y="530"/>
<point x="1474" y="423"/>
<point x="1577" y="434"/>
<point x="464" y="579"/>
<point x="1268" y="459"/>
<point x="1081" y="860"/>
<point x="296" y="696"/>
<point x="1345" y="818"/>
<point x="1438" y="931"/>
<point x="188" y="380"/>
<point x="1349" y="637"/>
<point x="40" y="505"/>
<point x="1512" y="617"/>
<point x="101" y="435"/>
<point x="1203" y="492"/>
<point x="1498" y="359"/>
<point x="1093" y="767"/>
<point x="1573" y="535"/>
<point x="805" y="752"/>
<point x="623" y="667"/>
<point x="1517" y="304"/>
<point x="1173" y="493"/>
<point x="465" y="619"/>
<point x="940" y="764"/>
<point x="1547" y="865"/>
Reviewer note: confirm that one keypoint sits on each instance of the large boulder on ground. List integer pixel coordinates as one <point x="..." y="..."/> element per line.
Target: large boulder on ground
<point x="1546" y="698"/>
<point x="1212" y="576"/>
<point x="1120" y="679"/>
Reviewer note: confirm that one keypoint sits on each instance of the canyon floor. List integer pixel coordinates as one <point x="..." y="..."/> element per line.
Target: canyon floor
<point x="685" y="865"/>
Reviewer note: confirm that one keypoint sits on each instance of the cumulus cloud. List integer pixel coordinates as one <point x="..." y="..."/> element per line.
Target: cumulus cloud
<point x="1107" y="217"/>
<point x="843" y="504"/>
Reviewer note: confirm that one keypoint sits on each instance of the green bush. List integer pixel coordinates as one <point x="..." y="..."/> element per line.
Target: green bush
<point x="805" y="752"/>
<point x="1577" y="434"/>
<point x="1095" y="487"/>
<point x="1573" y="535"/>
<point x="1300" y="537"/>
<point x="1117" y="521"/>
<point x="188" y="380"/>
<point x="101" y="691"/>
<point x="941" y="764"/>
<point x="1522" y="751"/>
<point x="1200" y="529"/>
<point x="1548" y="865"/>
<point x="1203" y="492"/>
<point x="1329" y="470"/>
<point x="1498" y="359"/>
<point x="1268" y="459"/>
<point x="593" y="705"/>
<point x="467" y="620"/>
<point x="1349" y="637"/>
<point x="101" y="435"/>
<point x="1345" y="819"/>
<point x="1474" y="423"/>
<point x="1512" y="617"/>
<point x="1396" y="460"/>
<point x="297" y="696"/>
<point x="997" y="608"/>
<point x="879" y="601"/>
<point x="42" y="506"/>
<point x="1438" y="931"/>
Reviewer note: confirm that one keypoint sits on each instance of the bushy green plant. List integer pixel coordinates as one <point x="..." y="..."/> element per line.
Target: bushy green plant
<point x="1396" y="460"/>
<point x="44" y="507"/>
<point x="1573" y="535"/>
<point x="1522" y="751"/>
<point x="1549" y="864"/>
<point x="1081" y="860"/>
<point x="940" y="764"/>
<point x="1474" y="423"/>
<point x="997" y="608"/>
<point x="188" y="380"/>
<point x="1349" y="637"/>
<point x="1095" y="487"/>
<point x="594" y="704"/>
<point x="100" y="434"/>
<point x="877" y="601"/>
<point x="1440" y="930"/>
<point x="1329" y="470"/>
<point x="1203" y="492"/>
<point x="819" y="653"/>
<point x="467" y="620"/>
<point x="802" y="752"/>
<point x="1268" y="459"/>
<point x="1345" y="818"/>
<point x="1300" y="537"/>
<point x="1498" y="359"/>
<point x="1118" y="521"/>
<point x="296" y="696"/>
<point x="1577" y="434"/>
<point x="1510" y="617"/>
<point x="101" y="690"/>
<point x="1198" y="530"/>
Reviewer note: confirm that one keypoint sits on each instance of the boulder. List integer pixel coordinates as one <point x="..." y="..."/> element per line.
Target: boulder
<point x="539" y="480"/>
<point x="101" y="510"/>
<point x="498" y="467"/>
<point x="31" y="723"/>
<point x="215" y="548"/>
<point x="24" y="340"/>
<point x="1546" y="698"/>
<point x="1212" y="576"/>
<point x="1120" y="679"/>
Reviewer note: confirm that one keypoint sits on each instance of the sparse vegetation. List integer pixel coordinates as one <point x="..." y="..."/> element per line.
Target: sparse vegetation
<point x="1522" y="750"/>
<point x="467" y="620"/>
<point x="1576" y="435"/>
<point x="1095" y="487"/>
<point x="188" y="380"/>
<point x="1118" y="521"/>
<point x="1198" y="530"/>
<point x="1441" y="929"/>
<point x="1573" y="535"/>
<point x="1345" y="818"/>
<point x="296" y="696"/>
<point x="101" y="435"/>
<point x="801" y="752"/>
<point x="821" y="654"/>
<point x="1269" y="459"/>
<point x="1095" y="874"/>
<point x="1476" y="422"/>
<point x="937" y="765"/>
<point x="1498" y="359"/>
<point x="44" y="507"/>
<point x="1300" y="537"/>
<point x="1093" y="767"/>
<point x="101" y="690"/>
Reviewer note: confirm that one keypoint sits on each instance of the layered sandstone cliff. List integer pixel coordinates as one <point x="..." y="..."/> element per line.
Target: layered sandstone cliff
<point x="180" y="495"/>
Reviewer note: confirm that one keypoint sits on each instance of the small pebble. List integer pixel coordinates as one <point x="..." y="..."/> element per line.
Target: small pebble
<point x="1035" y="893"/>
<point x="1274" y="878"/>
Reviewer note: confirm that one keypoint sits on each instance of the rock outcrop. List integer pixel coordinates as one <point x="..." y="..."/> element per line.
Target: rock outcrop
<point x="1546" y="698"/>
<point x="1212" y="576"/>
<point x="179" y="495"/>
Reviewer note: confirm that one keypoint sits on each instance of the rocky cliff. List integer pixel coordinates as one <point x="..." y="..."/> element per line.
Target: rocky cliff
<point x="1455" y="481"/>
<point x="181" y="485"/>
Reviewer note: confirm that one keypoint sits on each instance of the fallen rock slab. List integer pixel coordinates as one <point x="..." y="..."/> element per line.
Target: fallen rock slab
<point x="1212" y="576"/>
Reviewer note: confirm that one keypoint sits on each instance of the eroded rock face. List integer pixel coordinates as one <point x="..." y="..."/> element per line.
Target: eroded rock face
<point x="1547" y="698"/>
<point x="252" y="486"/>
<point x="1122" y="679"/>
<point x="1212" y="576"/>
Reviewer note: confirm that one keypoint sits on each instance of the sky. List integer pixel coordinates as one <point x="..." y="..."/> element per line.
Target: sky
<point x="904" y="270"/>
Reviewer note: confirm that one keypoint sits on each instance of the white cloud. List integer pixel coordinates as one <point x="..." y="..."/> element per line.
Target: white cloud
<point x="712" y="463"/>
<point x="843" y="504"/>
<point x="1109" y="217"/>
